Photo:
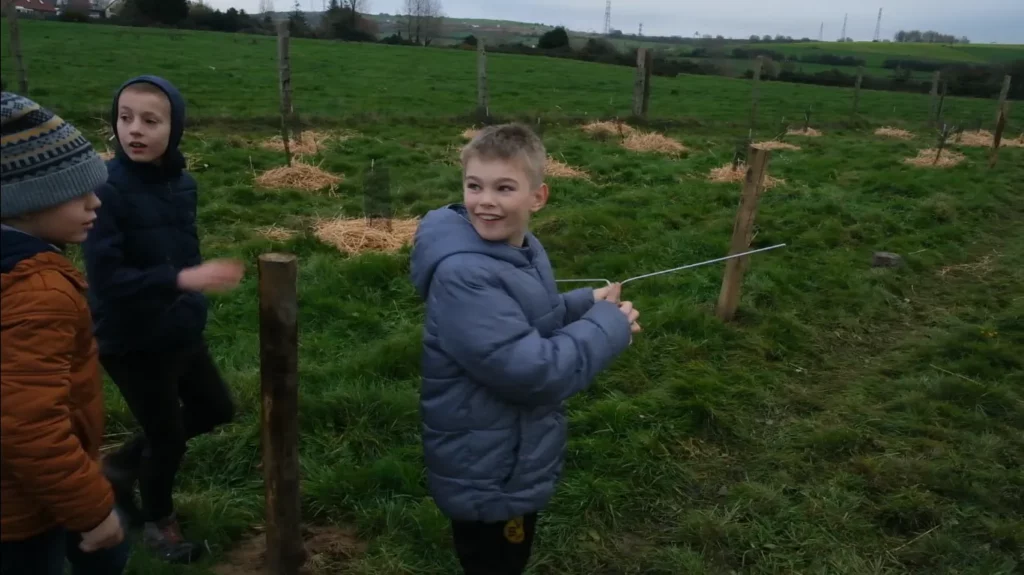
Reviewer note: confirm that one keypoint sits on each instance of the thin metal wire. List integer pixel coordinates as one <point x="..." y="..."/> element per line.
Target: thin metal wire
<point x="681" y="268"/>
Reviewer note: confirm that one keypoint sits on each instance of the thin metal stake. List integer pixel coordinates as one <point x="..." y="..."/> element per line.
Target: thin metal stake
<point x="681" y="268"/>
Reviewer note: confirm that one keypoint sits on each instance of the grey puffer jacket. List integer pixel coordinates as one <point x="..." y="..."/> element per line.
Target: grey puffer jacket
<point x="502" y="351"/>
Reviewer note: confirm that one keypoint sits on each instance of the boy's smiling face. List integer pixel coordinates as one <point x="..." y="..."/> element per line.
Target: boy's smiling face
<point x="143" y="122"/>
<point x="500" y="198"/>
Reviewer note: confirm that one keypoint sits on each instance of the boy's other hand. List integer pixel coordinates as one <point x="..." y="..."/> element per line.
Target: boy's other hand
<point x="105" y="535"/>
<point x="212" y="276"/>
<point x="631" y="314"/>
<point x="610" y="293"/>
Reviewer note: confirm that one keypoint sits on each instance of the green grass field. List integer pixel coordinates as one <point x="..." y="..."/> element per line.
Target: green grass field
<point x="853" y="420"/>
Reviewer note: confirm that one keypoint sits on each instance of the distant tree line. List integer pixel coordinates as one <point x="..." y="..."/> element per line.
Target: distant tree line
<point x="929" y="36"/>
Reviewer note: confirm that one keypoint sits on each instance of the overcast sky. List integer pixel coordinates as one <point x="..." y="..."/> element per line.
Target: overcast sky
<point x="980" y="20"/>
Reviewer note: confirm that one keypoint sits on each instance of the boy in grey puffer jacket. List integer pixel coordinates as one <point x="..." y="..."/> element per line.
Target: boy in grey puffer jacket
<point x="502" y="351"/>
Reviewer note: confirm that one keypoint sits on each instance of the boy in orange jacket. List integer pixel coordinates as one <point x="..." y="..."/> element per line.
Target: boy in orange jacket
<point x="55" y="504"/>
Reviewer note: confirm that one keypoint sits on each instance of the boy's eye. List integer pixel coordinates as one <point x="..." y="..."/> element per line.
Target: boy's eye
<point x="473" y="187"/>
<point x="506" y="189"/>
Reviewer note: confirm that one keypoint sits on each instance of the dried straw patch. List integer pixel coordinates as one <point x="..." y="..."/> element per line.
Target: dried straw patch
<point x="726" y="174"/>
<point x="557" y="169"/>
<point x="299" y="175"/>
<point x="809" y="133"/>
<point x="107" y="155"/>
<point x="308" y="143"/>
<point x="276" y="233"/>
<point x="888" y="132"/>
<point x="470" y="133"/>
<point x="926" y="159"/>
<point x="775" y="145"/>
<point x="609" y="129"/>
<point x="652" y="142"/>
<point x="355" y="236"/>
<point x="980" y="268"/>
<point x="985" y="139"/>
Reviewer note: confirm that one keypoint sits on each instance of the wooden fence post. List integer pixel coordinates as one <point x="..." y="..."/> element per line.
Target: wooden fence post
<point x="640" y="90"/>
<point x="15" y="44"/>
<point x="483" y="109"/>
<point x="997" y="139"/>
<point x="755" y="95"/>
<point x="743" y="227"/>
<point x="933" y="115"/>
<point x="856" y="89"/>
<point x="279" y="348"/>
<point x="284" y="72"/>
<point x="648" y="71"/>
<point x="1003" y="95"/>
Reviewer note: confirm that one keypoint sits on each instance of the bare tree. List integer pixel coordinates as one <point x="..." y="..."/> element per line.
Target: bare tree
<point x="423" y="19"/>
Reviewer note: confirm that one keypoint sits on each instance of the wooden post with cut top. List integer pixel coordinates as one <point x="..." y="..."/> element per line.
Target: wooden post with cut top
<point x="11" y="12"/>
<point x="284" y="72"/>
<point x="856" y="89"/>
<point x="482" y="96"/>
<point x="755" y="95"/>
<point x="1004" y="93"/>
<point x="641" y="85"/>
<point x="743" y="227"/>
<point x="933" y="116"/>
<point x="279" y="387"/>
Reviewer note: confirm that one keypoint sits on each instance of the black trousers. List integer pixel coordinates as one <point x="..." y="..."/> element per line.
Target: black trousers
<point x="174" y="397"/>
<point x="501" y="548"/>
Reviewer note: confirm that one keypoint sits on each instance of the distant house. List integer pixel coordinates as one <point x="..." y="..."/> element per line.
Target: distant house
<point x="38" y="7"/>
<point x="94" y="8"/>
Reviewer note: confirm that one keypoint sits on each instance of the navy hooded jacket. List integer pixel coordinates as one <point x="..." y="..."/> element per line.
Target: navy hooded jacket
<point x="502" y="350"/>
<point x="145" y="233"/>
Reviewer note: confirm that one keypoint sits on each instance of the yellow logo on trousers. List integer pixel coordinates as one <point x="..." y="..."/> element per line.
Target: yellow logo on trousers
<point x="515" y="531"/>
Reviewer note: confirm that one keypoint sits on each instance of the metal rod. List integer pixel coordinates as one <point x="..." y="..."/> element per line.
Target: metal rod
<point x="681" y="268"/>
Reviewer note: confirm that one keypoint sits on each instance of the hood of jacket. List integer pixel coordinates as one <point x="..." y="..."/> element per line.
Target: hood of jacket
<point x="17" y="247"/>
<point x="173" y="161"/>
<point x="447" y="231"/>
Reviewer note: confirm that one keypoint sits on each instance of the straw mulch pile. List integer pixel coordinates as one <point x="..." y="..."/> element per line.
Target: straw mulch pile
<point x="609" y="129"/>
<point x="726" y="174"/>
<point x="980" y="268"/>
<point x="470" y="133"/>
<point x="276" y="233"/>
<point x="355" y="236"/>
<point x="299" y="175"/>
<point x="809" y="132"/>
<point x="775" y="145"/>
<point x="897" y="133"/>
<point x="107" y="155"/>
<point x="985" y="139"/>
<point x="926" y="159"/>
<point x="308" y="143"/>
<point x="652" y="142"/>
<point x="556" y="169"/>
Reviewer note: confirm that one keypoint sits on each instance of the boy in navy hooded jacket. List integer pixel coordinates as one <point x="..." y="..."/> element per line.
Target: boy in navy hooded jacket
<point x="147" y="297"/>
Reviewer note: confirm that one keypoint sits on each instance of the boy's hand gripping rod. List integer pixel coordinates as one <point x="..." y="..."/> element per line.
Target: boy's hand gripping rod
<point x="681" y="268"/>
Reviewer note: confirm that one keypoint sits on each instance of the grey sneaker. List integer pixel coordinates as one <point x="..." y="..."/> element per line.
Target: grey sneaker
<point x="164" y="539"/>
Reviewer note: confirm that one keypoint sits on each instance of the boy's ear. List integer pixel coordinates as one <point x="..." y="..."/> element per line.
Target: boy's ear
<point x="540" y="198"/>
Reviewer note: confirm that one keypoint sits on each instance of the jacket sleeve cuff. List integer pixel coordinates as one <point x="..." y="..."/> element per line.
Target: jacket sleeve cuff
<point x="577" y="302"/>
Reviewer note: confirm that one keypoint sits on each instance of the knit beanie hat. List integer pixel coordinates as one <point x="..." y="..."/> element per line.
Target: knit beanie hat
<point x="45" y="161"/>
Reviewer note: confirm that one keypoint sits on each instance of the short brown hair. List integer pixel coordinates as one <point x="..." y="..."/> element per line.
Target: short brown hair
<point x="509" y="142"/>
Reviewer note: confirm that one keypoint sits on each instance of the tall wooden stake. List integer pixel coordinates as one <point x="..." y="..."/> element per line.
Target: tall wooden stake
<point x="1003" y="94"/>
<point x="284" y="72"/>
<point x="482" y="97"/>
<point x="15" y="44"/>
<point x="933" y="116"/>
<point x="279" y="385"/>
<point x="997" y="139"/>
<point x="856" y="89"/>
<point x="743" y="227"/>
<point x="641" y="85"/>
<point x="648" y="70"/>
<point x="755" y="94"/>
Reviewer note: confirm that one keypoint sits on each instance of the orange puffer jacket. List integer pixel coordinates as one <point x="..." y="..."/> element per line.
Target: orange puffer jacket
<point x="51" y="407"/>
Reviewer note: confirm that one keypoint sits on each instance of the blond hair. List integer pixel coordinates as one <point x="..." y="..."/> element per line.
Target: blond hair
<point x="509" y="143"/>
